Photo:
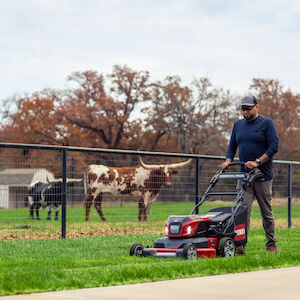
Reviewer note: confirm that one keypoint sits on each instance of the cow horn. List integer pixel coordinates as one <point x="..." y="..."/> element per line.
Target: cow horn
<point x="181" y="164"/>
<point x="150" y="167"/>
<point x="55" y="180"/>
<point x="68" y="180"/>
<point x="74" y="180"/>
<point x="173" y="166"/>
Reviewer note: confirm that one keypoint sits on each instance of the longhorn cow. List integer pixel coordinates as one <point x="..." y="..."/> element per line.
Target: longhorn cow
<point x="46" y="194"/>
<point x="142" y="183"/>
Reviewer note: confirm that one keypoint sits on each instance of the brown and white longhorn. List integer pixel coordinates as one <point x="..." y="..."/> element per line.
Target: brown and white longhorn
<point x="142" y="183"/>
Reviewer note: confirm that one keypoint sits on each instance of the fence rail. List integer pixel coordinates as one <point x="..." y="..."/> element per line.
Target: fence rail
<point x="64" y="162"/>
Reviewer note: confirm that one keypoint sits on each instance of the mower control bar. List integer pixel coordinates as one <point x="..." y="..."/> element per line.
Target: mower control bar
<point x="236" y="163"/>
<point x="221" y="194"/>
<point x="213" y="194"/>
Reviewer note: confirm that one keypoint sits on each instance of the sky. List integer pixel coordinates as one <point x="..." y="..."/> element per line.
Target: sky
<point x="229" y="41"/>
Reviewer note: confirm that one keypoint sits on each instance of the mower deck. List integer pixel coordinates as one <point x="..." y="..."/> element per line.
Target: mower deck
<point x="167" y="253"/>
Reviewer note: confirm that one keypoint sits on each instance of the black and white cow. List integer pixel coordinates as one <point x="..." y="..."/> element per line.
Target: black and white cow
<point x="35" y="191"/>
<point x="46" y="195"/>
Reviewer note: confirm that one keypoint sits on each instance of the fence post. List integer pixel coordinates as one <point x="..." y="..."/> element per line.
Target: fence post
<point x="289" y="195"/>
<point x="197" y="184"/>
<point x="64" y="194"/>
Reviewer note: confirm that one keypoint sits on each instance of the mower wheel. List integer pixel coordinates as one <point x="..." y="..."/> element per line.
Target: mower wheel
<point x="226" y="247"/>
<point x="189" y="252"/>
<point x="137" y="250"/>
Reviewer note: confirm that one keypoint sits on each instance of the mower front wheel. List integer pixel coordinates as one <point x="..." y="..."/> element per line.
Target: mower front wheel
<point x="226" y="247"/>
<point x="189" y="251"/>
<point x="137" y="250"/>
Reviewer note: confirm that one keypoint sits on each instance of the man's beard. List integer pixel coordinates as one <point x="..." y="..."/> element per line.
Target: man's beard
<point x="249" y="117"/>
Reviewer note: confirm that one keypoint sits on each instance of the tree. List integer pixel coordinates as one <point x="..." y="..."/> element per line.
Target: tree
<point x="199" y="117"/>
<point x="215" y="115"/>
<point x="171" y="113"/>
<point x="283" y="107"/>
<point x="125" y="110"/>
<point x="34" y="121"/>
<point x="104" y="117"/>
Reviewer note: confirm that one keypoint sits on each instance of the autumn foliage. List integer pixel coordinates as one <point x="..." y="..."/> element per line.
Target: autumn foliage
<point x="126" y="110"/>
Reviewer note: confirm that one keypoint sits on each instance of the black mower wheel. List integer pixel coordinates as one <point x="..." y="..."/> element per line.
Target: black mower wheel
<point x="137" y="250"/>
<point x="226" y="247"/>
<point x="189" y="252"/>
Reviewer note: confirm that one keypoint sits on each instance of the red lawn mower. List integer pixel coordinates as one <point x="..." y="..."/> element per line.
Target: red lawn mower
<point x="216" y="233"/>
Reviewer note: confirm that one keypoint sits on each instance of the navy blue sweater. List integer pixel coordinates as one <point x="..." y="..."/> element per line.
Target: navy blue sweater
<point x="253" y="140"/>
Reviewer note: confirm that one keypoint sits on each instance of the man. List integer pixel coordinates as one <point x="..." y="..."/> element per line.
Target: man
<point x="257" y="140"/>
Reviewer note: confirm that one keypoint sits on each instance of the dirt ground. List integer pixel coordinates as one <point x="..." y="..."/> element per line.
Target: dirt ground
<point x="109" y="229"/>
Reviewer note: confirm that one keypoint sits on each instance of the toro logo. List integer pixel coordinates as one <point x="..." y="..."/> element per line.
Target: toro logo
<point x="240" y="231"/>
<point x="174" y="229"/>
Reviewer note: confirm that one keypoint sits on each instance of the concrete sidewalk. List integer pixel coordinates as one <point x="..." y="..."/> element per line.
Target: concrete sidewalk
<point x="283" y="284"/>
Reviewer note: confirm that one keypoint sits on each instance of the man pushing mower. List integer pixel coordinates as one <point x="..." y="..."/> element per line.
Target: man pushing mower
<point x="257" y="140"/>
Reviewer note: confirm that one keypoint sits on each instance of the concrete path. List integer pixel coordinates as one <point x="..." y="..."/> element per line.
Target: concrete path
<point x="281" y="284"/>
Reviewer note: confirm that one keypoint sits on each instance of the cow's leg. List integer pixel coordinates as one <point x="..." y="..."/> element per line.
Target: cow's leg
<point x="31" y="207"/>
<point x="145" y="214"/>
<point x="57" y="211"/>
<point x="142" y="211"/>
<point x="97" y="204"/>
<point x="31" y="211"/>
<point x="146" y="206"/>
<point x="88" y="204"/>
<point x="37" y="209"/>
<point x="49" y="212"/>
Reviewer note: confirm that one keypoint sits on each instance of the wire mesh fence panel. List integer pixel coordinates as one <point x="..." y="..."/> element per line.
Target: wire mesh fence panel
<point x="295" y="188"/>
<point x="21" y="213"/>
<point x="124" y="188"/>
<point x="112" y="192"/>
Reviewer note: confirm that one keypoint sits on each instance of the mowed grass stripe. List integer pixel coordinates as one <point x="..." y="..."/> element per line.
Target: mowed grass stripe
<point x="47" y="265"/>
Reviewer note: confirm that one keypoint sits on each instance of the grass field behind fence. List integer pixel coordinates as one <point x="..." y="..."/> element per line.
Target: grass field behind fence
<point x="30" y="266"/>
<point x="129" y="212"/>
<point x="15" y="224"/>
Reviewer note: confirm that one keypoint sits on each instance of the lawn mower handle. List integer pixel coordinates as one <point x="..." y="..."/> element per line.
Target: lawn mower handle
<point x="235" y="163"/>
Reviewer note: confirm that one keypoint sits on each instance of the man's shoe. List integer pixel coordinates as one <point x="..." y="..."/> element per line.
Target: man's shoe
<point x="241" y="250"/>
<point x="272" y="249"/>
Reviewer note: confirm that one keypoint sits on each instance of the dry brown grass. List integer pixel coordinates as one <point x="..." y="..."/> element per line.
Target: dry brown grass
<point x="95" y="229"/>
<point x="87" y="229"/>
<point x="276" y="202"/>
<point x="279" y="223"/>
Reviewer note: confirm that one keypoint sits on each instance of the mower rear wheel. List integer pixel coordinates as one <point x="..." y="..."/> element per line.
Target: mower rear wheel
<point x="189" y="252"/>
<point x="226" y="247"/>
<point x="137" y="250"/>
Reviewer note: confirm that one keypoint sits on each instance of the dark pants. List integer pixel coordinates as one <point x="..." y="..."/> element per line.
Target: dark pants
<point x="262" y="191"/>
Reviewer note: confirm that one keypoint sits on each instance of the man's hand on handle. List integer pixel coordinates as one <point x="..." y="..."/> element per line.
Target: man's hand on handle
<point x="251" y="164"/>
<point x="225" y="164"/>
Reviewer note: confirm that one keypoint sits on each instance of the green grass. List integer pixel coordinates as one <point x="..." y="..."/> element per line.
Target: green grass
<point x="129" y="212"/>
<point x="29" y="266"/>
<point x="47" y="265"/>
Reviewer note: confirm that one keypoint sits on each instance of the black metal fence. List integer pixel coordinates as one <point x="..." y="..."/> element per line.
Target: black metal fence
<point x="22" y="165"/>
